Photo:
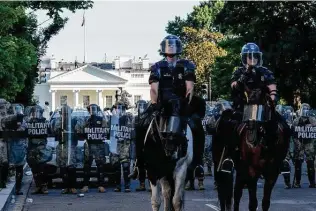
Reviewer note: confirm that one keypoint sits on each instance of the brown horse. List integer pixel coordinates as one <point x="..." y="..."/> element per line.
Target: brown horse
<point x="254" y="150"/>
<point x="261" y="153"/>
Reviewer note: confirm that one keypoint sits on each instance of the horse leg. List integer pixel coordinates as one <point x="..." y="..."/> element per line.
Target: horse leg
<point x="239" y="185"/>
<point x="166" y="193"/>
<point x="155" y="196"/>
<point x="252" y="190"/>
<point x="179" y="183"/>
<point x="267" y="191"/>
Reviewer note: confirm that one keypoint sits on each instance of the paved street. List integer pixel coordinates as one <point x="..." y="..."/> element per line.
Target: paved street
<point x="287" y="200"/>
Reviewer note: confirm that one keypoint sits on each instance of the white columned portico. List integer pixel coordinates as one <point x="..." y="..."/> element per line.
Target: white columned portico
<point x="99" y="98"/>
<point x="53" y="92"/>
<point x="76" y="97"/>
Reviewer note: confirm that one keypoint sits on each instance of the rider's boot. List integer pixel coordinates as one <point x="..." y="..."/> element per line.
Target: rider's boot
<point x="311" y="173"/>
<point x="298" y="174"/>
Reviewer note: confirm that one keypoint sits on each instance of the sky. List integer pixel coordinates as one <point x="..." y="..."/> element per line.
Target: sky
<point x="115" y="28"/>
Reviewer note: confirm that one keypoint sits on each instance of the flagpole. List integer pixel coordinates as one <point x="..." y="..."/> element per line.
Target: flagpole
<point x="84" y="37"/>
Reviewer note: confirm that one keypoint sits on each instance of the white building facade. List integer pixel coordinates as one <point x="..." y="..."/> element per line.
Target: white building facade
<point x="90" y="83"/>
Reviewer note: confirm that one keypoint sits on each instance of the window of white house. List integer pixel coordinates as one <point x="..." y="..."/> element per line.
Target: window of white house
<point x="63" y="100"/>
<point x="86" y="100"/>
<point x="137" y="98"/>
<point x="137" y="75"/>
<point x="108" y="101"/>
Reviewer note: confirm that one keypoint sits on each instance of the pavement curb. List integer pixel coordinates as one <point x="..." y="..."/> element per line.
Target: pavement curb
<point x="7" y="193"/>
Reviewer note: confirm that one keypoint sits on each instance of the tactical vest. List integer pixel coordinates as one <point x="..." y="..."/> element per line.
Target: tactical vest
<point x="171" y="82"/>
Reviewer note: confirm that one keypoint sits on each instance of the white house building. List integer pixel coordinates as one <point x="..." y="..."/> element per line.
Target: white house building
<point x="82" y="84"/>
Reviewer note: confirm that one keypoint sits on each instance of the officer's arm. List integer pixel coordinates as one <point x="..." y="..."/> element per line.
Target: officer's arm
<point x="234" y="78"/>
<point x="271" y="84"/>
<point x="154" y="83"/>
<point x="189" y="77"/>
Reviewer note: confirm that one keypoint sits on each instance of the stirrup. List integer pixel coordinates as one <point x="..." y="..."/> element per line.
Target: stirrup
<point x="227" y="166"/>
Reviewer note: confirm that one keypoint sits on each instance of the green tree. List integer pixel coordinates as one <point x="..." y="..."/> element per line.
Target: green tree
<point x="202" y="49"/>
<point x="202" y="17"/>
<point x="285" y="31"/>
<point x="224" y="66"/>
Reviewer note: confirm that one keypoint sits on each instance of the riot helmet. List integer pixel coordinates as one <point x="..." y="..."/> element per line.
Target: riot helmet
<point x="93" y="109"/>
<point x="120" y="109"/>
<point x="16" y="109"/>
<point x="37" y="112"/>
<point x="251" y="55"/>
<point x="141" y="106"/>
<point x="171" y="45"/>
<point x="304" y="110"/>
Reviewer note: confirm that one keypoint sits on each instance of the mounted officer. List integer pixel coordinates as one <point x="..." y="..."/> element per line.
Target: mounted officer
<point x="171" y="83"/>
<point x="253" y="79"/>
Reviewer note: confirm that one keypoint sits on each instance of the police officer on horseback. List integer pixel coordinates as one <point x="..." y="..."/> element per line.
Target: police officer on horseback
<point x="171" y="83"/>
<point x="252" y="76"/>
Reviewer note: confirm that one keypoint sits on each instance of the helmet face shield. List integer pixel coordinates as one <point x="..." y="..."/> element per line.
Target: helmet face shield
<point x="120" y="110"/>
<point x="251" y="59"/>
<point x="142" y="107"/>
<point x="93" y="110"/>
<point x="171" y="45"/>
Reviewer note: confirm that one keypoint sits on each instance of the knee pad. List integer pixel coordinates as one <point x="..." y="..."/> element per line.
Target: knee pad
<point x="199" y="172"/>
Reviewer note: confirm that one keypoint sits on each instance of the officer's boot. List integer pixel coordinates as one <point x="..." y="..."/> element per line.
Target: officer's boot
<point x="86" y="179"/>
<point x="2" y="184"/>
<point x="72" y="179"/>
<point x="100" y="172"/>
<point x="44" y="189"/>
<point x="4" y="175"/>
<point x="18" y="180"/>
<point x="127" y="181"/>
<point x="142" y="177"/>
<point x="64" y="176"/>
<point x="298" y="174"/>
<point x="199" y="174"/>
<point x="118" y="179"/>
<point x="311" y="173"/>
<point x="37" y="180"/>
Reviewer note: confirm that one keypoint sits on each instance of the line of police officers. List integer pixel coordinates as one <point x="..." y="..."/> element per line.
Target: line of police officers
<point x="304" y="130"/>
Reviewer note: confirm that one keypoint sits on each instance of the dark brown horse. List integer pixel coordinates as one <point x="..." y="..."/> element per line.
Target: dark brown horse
<point x="256" y="151"/>
<point x="261" y="152"/>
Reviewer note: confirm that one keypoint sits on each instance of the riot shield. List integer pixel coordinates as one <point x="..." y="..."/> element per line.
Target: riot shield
<point x="66" y="148"/>
<point x="79" y="117"/>
<point x="125" y="134"/>
<point x="15" y="125"/>
<point x="113" y="132"/>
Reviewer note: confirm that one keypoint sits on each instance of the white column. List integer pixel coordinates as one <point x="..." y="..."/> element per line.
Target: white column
<point x="99" y="98"/>
<point x="76" y="97"/>
<point x="53" y="92"/>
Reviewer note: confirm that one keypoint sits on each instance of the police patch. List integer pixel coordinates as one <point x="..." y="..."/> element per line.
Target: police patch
<point x="262" y="78"/>
<point x="98" y="122"/>
<point x="180" y="76"/>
